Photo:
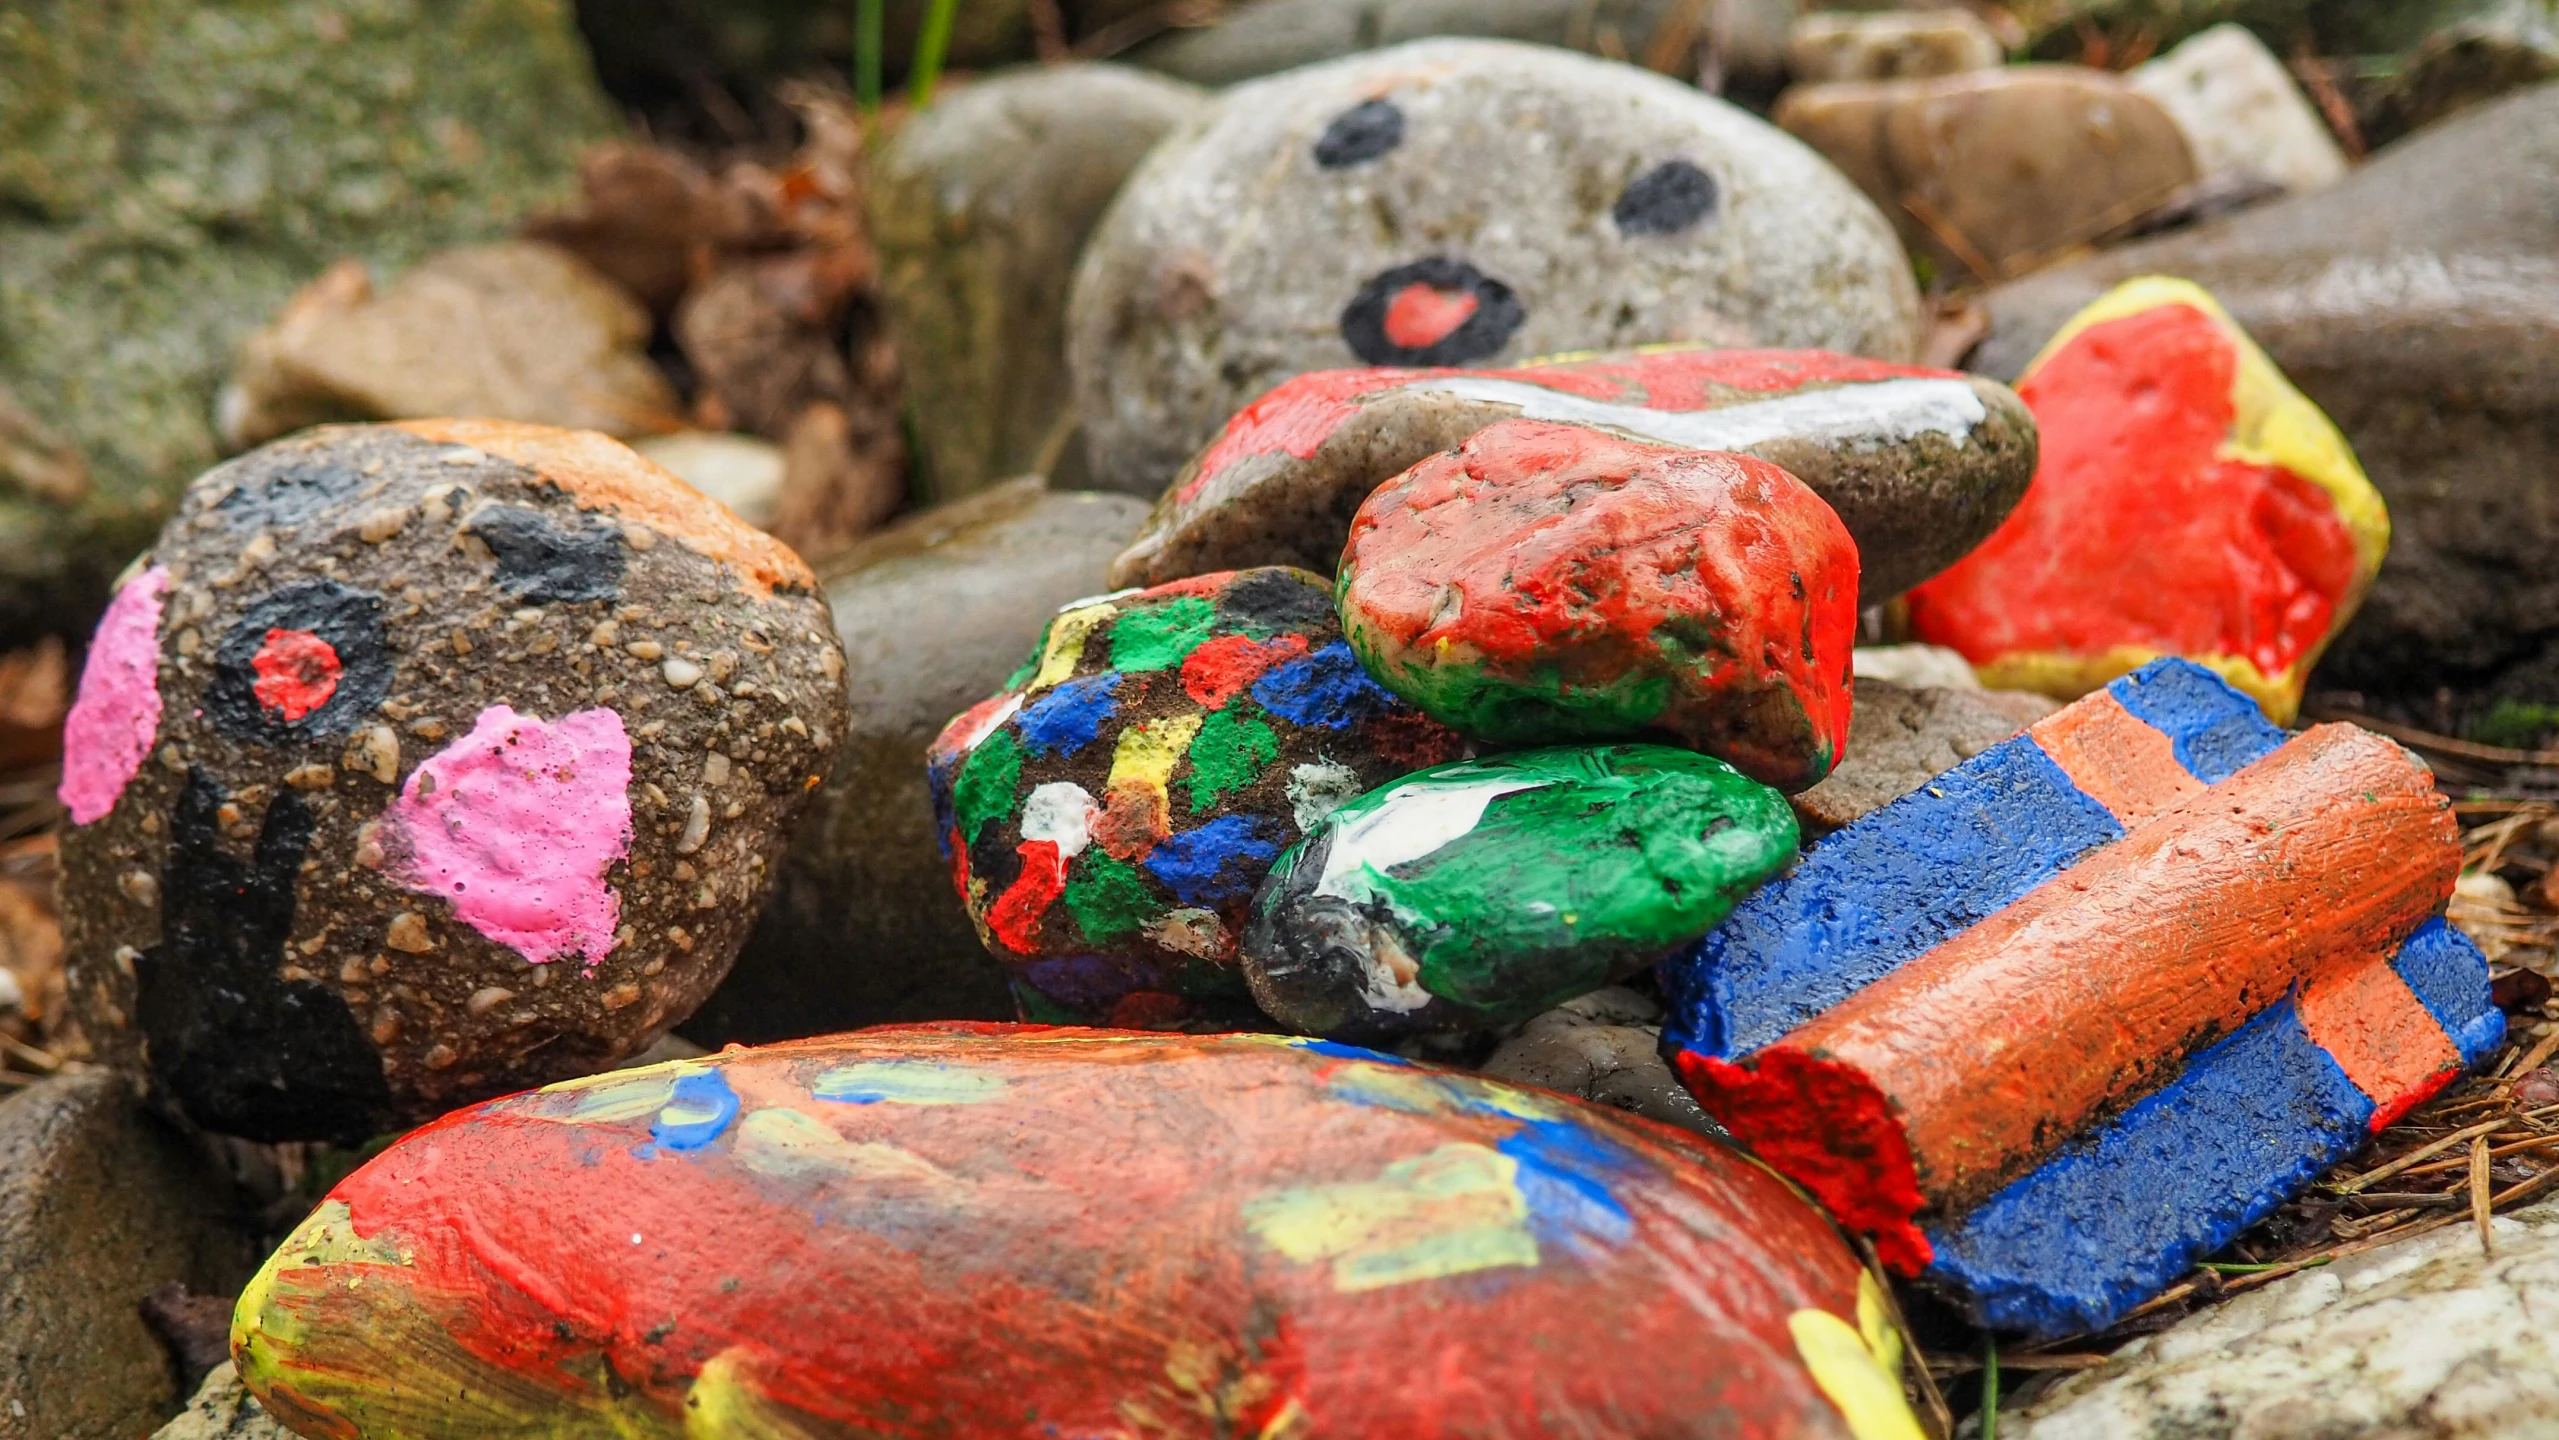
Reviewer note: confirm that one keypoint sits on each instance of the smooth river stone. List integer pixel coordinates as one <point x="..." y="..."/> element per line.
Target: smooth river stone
<point x="1108" y="815"/>
<point x="1920" y="464"/>
<point x="1544" y="582"/>
<point x="1483" y="892"/>
<point x="929" y="1231"/>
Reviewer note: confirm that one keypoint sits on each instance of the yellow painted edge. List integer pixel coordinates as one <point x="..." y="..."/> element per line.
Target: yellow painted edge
<point x="1866" y="1393"/>
<point x="2067" y="677"/>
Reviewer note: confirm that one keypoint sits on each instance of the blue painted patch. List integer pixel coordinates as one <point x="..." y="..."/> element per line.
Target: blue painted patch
<point x="698" y="1109"/>
<point x="1563" y="1178"/>
<point x="1220" y="861"/>
<point x="1880" y="893"/>
<point x="1085" y="982"/>
<point x="2111" y="1219"/>
<point x="1327" y="689"/>
<point x="1068" y="718"/>
<point x="1339" y="1051"/>
<point x="2216" y="730"/>
<point x="2450" y="978"/>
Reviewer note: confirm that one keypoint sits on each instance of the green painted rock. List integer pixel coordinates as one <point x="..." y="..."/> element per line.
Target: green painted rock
<point x="1482" y="892"/>
<point x="1109" y="814"/>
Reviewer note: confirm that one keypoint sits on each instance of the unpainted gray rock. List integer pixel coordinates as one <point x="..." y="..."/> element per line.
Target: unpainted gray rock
<point x="1900" y="738"/>
<point x="223" y="1409"/>
<point x="2241" y="111"/>
<point x="1603" y="1046"/>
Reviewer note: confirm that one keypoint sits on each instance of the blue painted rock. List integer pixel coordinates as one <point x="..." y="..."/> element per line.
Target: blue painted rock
<point x="1921" y="465"/>
<point x="2080" y="1010"/>
<point x="1486" y="891"/>
<point x="926" y="1232"/>
<point x="1108" y="816"/>
<point x="426" y="762"/>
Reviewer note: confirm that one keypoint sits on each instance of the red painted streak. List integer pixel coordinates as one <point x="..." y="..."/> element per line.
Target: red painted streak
<point x="2135" y="531"/>
<point x="1422" y="315"/>
<point x="1827" y="1128"/>
<point x="1015" y="916"/>
<point x="2114" y="758"/>
<point x="1215" y="672"/>
<point x="297" y="673"/>
<point x="2380" y="1034"/>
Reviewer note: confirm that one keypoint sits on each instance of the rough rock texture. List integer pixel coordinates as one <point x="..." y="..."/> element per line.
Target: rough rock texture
<point x="934" y="612"/>
<point x="1889" y="45"/>
<point x="223" y="1409"/>
<point x="1386" y="209"/>
<point x="2427" y="1339"/>
<point x="100" y="1204"/>
<point x="2476" y="59"/>
<point x="170" y="173"/>
<point x="2417" y="303"/>
<point x="427" y="762"/>
<point x="1604" y="1047"/>
<point x="1898" y="740"/>
<point x="1989" y="172"/>
<point x="980" y="206"/>
<point x="2241" y="111"/>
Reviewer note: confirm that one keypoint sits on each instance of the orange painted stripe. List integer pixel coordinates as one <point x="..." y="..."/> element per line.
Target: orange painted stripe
<point x="2115" y="758"/>
<point x="2380" y="1034"/>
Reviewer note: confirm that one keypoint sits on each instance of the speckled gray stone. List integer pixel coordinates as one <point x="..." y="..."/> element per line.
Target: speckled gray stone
<point x="1606" y="1047"/>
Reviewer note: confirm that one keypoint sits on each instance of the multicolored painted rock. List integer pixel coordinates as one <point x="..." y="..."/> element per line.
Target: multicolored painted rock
<point x="1483" y="892"/>
<point x="419" y="763"/>
<point x="2076" y="1013"/>
<point x="927" y="1232"/>
<point x="1108" y="816"/>
<point x="1544" y="582"/>
<point x="1920" y="464"/>
<point x="2189" y="502"/>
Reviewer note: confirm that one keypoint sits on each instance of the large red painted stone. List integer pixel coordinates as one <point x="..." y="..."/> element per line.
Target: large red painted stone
<point x="1547" y="583"/>
<point x="998" y="1230"/>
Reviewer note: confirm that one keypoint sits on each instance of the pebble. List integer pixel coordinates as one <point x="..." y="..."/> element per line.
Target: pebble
<point x="1899" y="739"/>
<point x="1604" y="1047"/>
<point x="2241" y="112"/>
<point x="1482" y="892"/>
<point x="305" y="956"/>
<point x="1108" y="815"/>
<point x="1544" y="582"/>
<point x="935" y="1221"/>
<point x="1831" y="45"/>
<point x="1456" y="202"/>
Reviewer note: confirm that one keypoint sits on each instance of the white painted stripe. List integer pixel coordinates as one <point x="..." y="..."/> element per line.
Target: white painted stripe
<point x="1861" y="416"/>
<point x="1411" y="822"/>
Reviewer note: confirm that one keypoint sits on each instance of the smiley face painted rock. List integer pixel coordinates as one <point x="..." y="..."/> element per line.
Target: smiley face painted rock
<point x="1108" y="815"/>
<point x="1919" y="464"/>
<point x="418" y="763"/>
<point x="1545" y="582"/>
<point x="1483" y="892"/>
<point x="2189" y="502"/>
<point x="974" y="1231"/>
<point x="1456" y="202"/>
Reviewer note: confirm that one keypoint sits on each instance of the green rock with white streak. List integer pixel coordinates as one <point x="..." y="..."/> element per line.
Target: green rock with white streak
<point x="1485" y="891"/>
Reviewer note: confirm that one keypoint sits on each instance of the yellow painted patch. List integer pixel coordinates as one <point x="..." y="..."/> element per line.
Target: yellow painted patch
<point x="790" y="1143"/>
<point x="1066" y="636"/>
<point x="725" y="1403"/>
<point x="1416" y="1091"/>
<point x="1452" y="1211"/>
<point x="615" y="1097"/>
<point x="2067" y="677"/>
<point x="1147" y="753"/>
<point x="907" y="1082"/>
<point x="1858" y="1366"/>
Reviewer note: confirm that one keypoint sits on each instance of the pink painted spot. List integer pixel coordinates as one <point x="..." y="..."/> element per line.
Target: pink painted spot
<point x="109" y="730"/>
<point x="515" y="824"/>
<point x="1420" y="316"/>
<point x="297" y="673"/>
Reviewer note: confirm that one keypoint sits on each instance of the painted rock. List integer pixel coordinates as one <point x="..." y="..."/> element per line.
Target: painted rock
<point x="423" y="762"/>
<point x="925" y="1231"/>
<point x="1920" y="464"/>
<point x="1108" y="816"/>
<point x="2075" y="1014"/>
<point x="2189" y="502"/>
<point x="1544" y="582"/>
<point x="1482" y="892"/>
<point x="1386" y="209"/>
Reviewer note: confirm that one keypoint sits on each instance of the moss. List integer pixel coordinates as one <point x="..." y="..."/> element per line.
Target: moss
<point x="2516" y="724"/>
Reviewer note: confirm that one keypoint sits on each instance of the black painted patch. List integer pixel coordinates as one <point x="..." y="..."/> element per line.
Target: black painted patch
<point x="292" y="489"/>
<point x="546" y="562"/>
<point x="245" y="1051"/>
<point x="1275" y="601"/>
<point x="349" y="619"/>
<point x="1359" y="134"/>
<point x="1498" y="312"/>
<point x="1665" y="200"/>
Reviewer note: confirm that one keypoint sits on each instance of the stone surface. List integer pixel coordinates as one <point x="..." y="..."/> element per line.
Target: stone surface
<point x="2241" y="112"/>
<point x="1748" y="38"/>
<point x="1918" y="667"/>
<point x="1604" y="1047"/>
<point x="742" y="472"/>
<point x="1889" y="45"/>
<point x="100" y="1204"/>
<point x="1920" y="464"/>
<point x="426" y="762"/>
<point x="223" y="1409"/>
<point x="979" y="207"/>
<point x="1989" y="173"/>
<point x="1544" y="582"/>
<point x="1109" y="813"/>
<point x="1385" y="209"/>
<point x="1302" y="1200"/>
<point x="2475" y="59"/>
<point x="513" y="331"/>
<point x="2189" y="501"/>
<point x="2429" y="1339"/>
<point x="169" y="174"/>
<point x="933" y="612"/>
<point x="2417" y="303"/>
<point x="1898" y="740"/>
<point x="1483" y="892"/>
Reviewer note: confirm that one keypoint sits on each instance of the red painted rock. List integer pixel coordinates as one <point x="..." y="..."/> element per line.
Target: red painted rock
<point x="1001" y="1231"/>
<point x="1920" y="464"/>
<point x="2189" y="502"/>
<point x="1545" y="582"/>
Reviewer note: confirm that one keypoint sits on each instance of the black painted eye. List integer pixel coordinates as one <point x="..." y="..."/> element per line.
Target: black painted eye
<point x="1436" y="311"/>
<point x="305" y="662"/>
<point x="548" y="563"/>
<point x="1665" y="200"/>
<point x="1363" y="132"/>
